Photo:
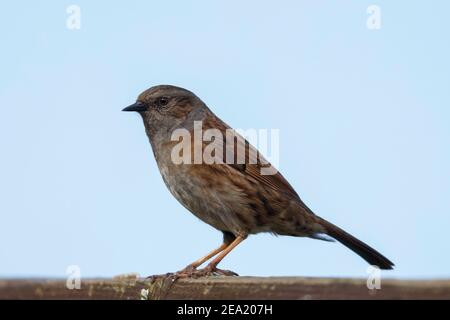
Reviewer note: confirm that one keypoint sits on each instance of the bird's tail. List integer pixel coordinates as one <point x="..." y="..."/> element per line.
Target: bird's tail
<point x="369" y="254"/>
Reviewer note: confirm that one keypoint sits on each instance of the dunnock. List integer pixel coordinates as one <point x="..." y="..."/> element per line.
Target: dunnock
<point x="235" y="197"/>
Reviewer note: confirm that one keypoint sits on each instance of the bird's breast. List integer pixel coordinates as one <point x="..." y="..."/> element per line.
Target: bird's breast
<point x="205" y="193"/>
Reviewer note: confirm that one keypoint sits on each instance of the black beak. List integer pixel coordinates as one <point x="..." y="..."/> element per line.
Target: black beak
<point x="137" y="106"/>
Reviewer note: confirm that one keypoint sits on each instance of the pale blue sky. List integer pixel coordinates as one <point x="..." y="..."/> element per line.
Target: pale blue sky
<point x="364" y="119"/>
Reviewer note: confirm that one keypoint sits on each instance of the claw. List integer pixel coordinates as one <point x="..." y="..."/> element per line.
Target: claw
<point x="212" y="271"/>
<point x="194" y="273"/>
<point x="227" y="273"/>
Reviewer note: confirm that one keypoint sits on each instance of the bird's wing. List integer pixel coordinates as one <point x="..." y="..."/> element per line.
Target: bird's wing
<point x="275" y="181"/>
<point x="254" y="163"/>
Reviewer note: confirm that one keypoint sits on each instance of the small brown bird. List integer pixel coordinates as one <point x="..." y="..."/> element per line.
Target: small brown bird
<point x="233" y="195"/>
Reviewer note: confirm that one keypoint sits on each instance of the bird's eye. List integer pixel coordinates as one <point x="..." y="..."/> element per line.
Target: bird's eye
<point x="163" y="101"/>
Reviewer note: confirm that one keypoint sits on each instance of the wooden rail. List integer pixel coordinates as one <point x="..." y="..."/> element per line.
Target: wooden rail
<point x="224" y="288"/>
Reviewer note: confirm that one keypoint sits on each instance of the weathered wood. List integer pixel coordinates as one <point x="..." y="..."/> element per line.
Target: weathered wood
<point x="224" y="288"/>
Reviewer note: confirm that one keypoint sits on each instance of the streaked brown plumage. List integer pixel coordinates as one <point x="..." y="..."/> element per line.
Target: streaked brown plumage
<point x="233" y="198"/>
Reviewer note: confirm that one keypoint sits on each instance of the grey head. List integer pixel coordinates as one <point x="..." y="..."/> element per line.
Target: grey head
<point x="165" y="108"/>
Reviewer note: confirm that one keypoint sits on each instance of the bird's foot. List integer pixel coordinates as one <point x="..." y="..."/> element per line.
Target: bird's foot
<point x="209" y="271"/>
<point x="194" y="273"/>
<point x="184" y="273"/>
<point x="164" y="276"/>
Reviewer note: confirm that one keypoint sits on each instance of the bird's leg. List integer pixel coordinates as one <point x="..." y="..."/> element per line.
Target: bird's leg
<point x="229" y="243"/>
<point x="194" y="265"/>
<point x="211" y="268"/>
<point x="190" y="269"/>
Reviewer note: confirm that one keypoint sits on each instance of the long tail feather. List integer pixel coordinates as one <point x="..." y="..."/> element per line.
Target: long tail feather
<point x="363" y="250"/>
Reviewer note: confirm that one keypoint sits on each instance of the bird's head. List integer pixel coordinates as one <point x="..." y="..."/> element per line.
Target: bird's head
<point x="165" y="106"/>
